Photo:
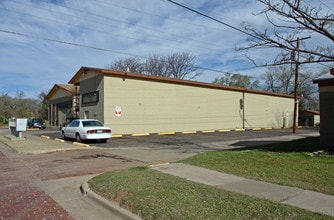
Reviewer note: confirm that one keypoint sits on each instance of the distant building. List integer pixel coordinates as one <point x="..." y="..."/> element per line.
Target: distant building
<point x="309" y="118"/>
<point x="326" y="95"/>
<point x="63" y="100"/>
<point x="135" y="103"/>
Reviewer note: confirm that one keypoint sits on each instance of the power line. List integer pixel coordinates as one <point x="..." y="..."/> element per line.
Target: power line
<point x="100" y="31"/>
<point x="175" y="37"/>
<point x="66" y="42"/>
<point x="94" y="48"/>
<point x="212" y="18"/>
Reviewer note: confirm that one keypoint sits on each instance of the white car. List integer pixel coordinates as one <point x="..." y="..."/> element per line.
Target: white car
<point x="86" y="129"/>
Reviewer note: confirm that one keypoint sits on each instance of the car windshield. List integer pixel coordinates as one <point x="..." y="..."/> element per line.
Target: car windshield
<point x="37" y="120"/>
<point x="92" y="124"/>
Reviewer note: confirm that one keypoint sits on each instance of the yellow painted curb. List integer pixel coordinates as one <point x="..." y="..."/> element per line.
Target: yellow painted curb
<point x="268" y="128"/>
<point x="59" y="140"/>
<point x="116" y="136"/>
<point x="208" y="131"/>
<point x="142" y="134"/>
<point x="227" y="130"/>
<point x="166" y="133"/>
<point x="189" y="132"/>
<point x="239" y="129"/>
<point x="277" y="127"/>
<point x="256" y="129"/>
<point x="299" y="126"/>
<point x="80" y="144"/>
<point x="46" y="137"/>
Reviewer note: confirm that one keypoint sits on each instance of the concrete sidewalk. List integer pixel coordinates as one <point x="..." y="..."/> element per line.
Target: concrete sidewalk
<point x="31" y="144"/>
<point x="310" y="200"/>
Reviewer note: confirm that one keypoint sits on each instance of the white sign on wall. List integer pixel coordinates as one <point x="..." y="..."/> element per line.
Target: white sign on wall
<point x="118" y="111"/>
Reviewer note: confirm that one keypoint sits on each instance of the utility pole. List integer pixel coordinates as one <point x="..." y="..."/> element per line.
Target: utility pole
<point x="295" y="109"/>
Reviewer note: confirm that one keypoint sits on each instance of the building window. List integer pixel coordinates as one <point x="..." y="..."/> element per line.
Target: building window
<point x="90" y="97"/>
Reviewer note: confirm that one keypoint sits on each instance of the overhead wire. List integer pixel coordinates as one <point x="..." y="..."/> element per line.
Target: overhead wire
<point x="92" y="47"/>
<point x="116" y="20"/>
<point x="203" y="68"/>
<point x="212" y="18"/>
<point x="141" y="27"/>
<point x="104" y="17"/>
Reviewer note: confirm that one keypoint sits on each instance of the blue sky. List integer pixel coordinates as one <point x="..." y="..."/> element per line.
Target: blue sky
<point x="34" y="62"/>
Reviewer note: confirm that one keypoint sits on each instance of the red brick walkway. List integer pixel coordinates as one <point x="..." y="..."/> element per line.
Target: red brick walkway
<point x="20" y="197"/>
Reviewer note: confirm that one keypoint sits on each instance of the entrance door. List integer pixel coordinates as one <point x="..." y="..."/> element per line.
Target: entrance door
<point x="86" y="114"/>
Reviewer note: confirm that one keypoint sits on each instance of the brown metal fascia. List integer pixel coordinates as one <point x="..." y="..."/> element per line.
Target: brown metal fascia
<point x="324" y="82"/>
<point x="76" y="78"/>
<point x="186" y="82"/>
<point x="127" y="75"/>
<point x="55" y="88"/>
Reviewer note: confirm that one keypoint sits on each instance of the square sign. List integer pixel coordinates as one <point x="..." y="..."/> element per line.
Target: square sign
<point x="21" y="124"/>
<point x="118" y="111"/>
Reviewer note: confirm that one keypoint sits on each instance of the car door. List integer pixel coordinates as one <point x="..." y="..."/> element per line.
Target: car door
<point x="71" y="129"/>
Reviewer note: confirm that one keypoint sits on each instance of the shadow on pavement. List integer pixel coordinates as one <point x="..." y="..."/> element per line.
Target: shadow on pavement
<point x="309" y="144"/>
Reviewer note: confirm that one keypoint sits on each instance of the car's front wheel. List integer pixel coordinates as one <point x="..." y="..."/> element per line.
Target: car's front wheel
<point x="63" y="135"/>
<point x="78" y="138"/>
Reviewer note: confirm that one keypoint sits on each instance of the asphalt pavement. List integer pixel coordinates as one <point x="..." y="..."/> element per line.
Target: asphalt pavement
<point x="43" y="166"/>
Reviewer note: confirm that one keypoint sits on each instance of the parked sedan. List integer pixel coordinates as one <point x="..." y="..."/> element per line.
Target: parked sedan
<point x="86" y="129"/>
<point x="36" y="123"/>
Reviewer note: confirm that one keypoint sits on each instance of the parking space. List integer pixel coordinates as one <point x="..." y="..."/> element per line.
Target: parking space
<point x="199" y="141"/>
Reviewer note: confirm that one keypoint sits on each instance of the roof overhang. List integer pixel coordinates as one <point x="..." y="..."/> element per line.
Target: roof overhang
<point x="326" y="80"/>
<point x="67" y="88"/>
<point x="84" y="71"/>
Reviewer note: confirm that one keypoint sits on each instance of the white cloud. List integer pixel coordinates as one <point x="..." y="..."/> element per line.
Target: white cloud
<point x="36" y="62"/>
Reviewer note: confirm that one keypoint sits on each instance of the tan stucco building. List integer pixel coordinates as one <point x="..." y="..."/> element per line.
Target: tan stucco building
<point x="135" y="103"/>
<point x="63" y="103"/>
<point x="326" y="95"/>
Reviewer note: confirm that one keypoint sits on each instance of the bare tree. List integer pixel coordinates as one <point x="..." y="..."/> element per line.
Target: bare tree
<point x="296" y="18"/>
<point x="132" y="64"/>
<point x="279" y="79"/>
<point x="181" y="66"/>
<point x="156" y="65"/>
<point x="20" y="106"/>
<point x="6" y="108"/>
<point x="43" y="105"/>
<point x="176" y="65"/>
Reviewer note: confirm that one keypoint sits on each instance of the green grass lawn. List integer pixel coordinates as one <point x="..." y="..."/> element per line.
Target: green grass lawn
<point x="287" y="163"/>
<point x="155" y="195"/>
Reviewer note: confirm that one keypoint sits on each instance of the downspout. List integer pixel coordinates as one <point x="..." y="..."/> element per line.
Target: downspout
<point x="242" y="107"/>
<point x="243" y="110"/>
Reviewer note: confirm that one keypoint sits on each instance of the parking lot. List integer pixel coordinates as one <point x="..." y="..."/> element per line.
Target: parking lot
<point x="198" y="142"/>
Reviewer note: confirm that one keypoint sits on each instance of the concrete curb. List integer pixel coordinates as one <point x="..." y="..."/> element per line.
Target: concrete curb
<point x="117" y="136"/>
<point x="167" y="133"/>
<point x="203" y="131"/>
<point x="59" y="140"/>
<point x="189" y="132"/>
<point x="45" y="137"/>
<point x="113" y="207"/>
<point x="81" y="144"/>
<point x="141" y="134"/>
